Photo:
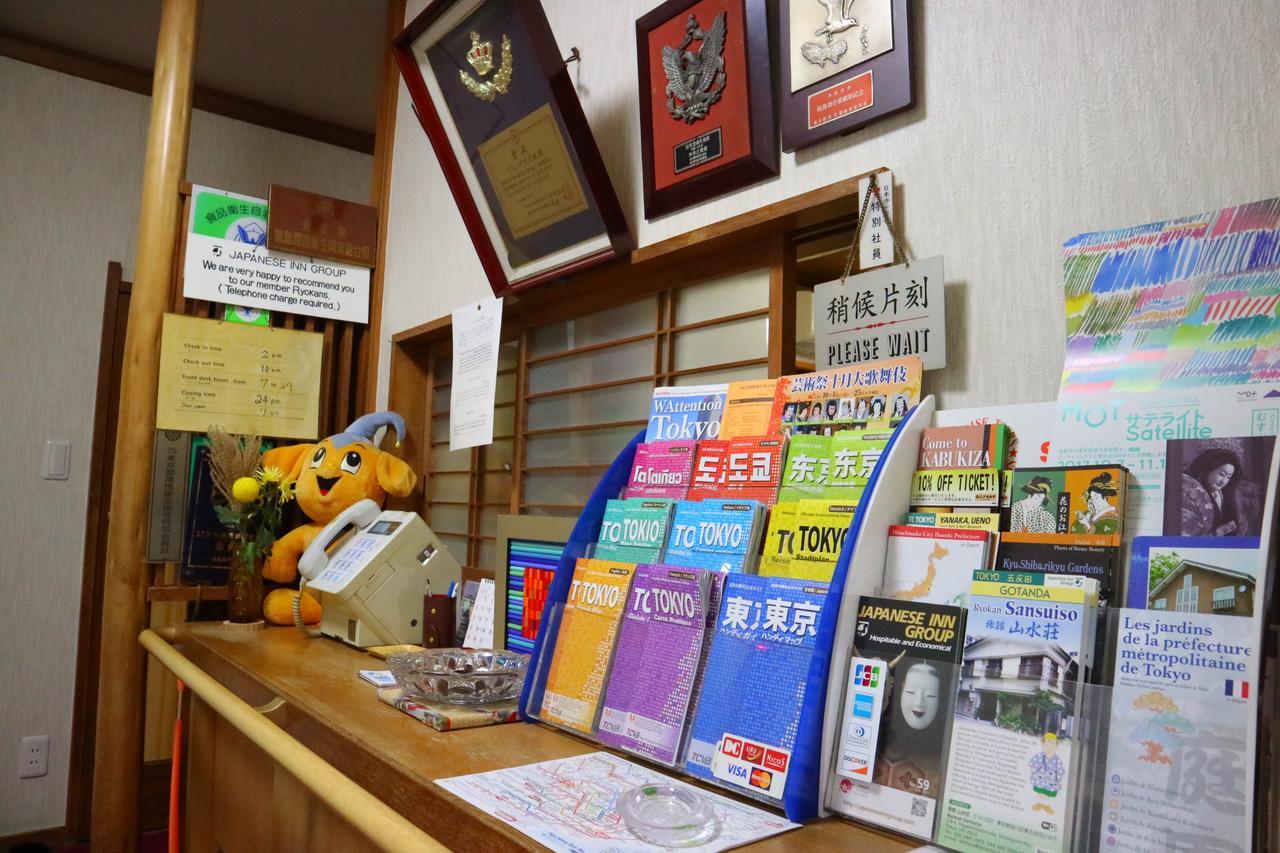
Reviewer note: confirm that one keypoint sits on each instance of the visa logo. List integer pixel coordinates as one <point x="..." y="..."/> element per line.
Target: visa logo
<point x="738" y="770"/>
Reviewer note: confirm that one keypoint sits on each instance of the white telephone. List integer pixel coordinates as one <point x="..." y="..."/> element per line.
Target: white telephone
<point x="371" y="588"/>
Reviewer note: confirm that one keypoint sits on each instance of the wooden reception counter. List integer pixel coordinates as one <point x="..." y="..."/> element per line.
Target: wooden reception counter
<point x="239" y="797"/>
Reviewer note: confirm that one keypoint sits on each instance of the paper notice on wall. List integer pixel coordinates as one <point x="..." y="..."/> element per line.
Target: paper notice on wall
<point x="245" y="379"/>
<point x="477" y="329"/>
<point x="227" y="260"/>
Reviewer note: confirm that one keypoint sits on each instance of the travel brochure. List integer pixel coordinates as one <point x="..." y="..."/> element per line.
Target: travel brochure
<point x="1053" y="566"/>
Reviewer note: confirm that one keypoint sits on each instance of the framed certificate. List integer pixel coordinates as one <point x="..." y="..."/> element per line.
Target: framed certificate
<point x="706" y="101"/>
<point x="845" y="64"/>
<point x="492" y="93"/>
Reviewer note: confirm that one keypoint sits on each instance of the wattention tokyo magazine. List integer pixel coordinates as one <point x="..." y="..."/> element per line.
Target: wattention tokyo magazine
<point x="687" y="413"/>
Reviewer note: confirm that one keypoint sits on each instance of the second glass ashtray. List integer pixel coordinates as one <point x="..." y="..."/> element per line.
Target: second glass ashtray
<point x="460" y="676"/>
<point x="668" y="815"/>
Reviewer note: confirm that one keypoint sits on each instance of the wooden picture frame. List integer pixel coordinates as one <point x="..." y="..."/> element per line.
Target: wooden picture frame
<point x="491" y="92"/>
<point x="826" y="88"/>
<point x="724" y="135"/>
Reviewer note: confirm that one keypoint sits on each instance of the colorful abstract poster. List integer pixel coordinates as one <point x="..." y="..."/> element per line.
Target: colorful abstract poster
<point x="1181" y="304"/>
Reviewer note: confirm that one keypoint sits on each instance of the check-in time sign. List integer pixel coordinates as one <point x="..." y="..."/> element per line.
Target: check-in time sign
<point x="227" y="260"/>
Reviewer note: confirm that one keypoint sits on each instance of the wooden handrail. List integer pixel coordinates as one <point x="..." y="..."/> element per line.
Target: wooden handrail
<point x="375" y="820"/>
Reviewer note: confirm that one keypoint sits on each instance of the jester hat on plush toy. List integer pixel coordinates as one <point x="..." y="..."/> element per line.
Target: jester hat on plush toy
<point x="338" y="471"/>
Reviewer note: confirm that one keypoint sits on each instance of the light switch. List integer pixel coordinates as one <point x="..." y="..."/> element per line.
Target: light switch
<point x="57" y="460"/>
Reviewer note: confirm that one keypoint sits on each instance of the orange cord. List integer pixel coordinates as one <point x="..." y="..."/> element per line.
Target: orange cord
<point x="175" y="780"/>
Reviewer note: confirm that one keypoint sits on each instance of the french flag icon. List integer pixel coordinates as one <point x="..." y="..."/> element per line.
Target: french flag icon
<point x="1237" y="689"/>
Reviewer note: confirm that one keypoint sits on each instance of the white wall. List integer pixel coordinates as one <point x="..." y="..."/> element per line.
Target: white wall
<point x="1034" y="122"/>
<point x="71" y="156"/>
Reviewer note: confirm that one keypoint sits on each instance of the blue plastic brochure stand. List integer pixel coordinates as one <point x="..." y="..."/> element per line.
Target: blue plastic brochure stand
<point x="801" y="799"/>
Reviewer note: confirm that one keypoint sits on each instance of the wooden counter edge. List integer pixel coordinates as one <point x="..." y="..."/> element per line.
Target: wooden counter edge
<point x="449" y="818"/>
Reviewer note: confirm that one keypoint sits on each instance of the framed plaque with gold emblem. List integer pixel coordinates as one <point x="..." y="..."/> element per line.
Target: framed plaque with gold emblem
<point x="707" y="122"/>
<point x="491" y="91"/>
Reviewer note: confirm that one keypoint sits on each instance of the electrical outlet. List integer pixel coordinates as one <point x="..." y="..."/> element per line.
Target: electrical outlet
<point x="33" y="757"/>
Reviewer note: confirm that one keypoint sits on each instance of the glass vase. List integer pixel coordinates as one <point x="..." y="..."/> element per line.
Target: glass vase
<point x="244" y="591"/>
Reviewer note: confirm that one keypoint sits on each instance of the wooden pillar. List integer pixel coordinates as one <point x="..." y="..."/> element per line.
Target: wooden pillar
<point x="782" y="307"/>
<point x="122" y="669"/>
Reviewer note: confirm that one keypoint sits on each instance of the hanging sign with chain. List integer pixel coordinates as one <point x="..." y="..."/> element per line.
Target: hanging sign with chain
<point x="889" y="312"/>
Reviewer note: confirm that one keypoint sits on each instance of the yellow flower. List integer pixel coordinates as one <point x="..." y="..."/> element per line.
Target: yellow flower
<point x="245" y="490"/>
<point x="287" y="491"/>
<point x="270" y="474"/>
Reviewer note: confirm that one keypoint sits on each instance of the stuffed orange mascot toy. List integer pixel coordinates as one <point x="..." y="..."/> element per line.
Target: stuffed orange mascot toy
<point x="331" y="475"/>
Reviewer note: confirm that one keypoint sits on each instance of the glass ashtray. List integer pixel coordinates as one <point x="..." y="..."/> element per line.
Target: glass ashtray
<point x="668" y="815"/>
<point x="460" y="676"/>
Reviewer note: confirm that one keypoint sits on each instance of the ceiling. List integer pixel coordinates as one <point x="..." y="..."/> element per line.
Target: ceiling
<point x="318" y="58"/>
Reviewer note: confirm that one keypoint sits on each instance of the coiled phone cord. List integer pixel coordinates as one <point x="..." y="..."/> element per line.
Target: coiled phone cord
<point x="297" y="611"/>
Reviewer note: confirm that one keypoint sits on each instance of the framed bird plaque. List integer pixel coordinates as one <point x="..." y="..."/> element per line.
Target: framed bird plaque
<point x="845" y="64"/>
<point x="491" y="91"/>
<point x="706" y="102"/>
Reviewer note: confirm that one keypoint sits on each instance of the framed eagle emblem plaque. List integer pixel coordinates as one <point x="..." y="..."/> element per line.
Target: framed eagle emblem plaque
<point x="845" y="64"/>
<point x="706" y="102"/>
<point x="492" y="94"/>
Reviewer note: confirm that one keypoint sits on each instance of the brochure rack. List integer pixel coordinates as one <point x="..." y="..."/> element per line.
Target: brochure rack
<point x="1129" y="743"/>
<point x="802" y="795"/>
<point x="857" y="574"/>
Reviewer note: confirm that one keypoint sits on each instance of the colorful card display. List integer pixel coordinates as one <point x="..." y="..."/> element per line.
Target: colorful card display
<point x="738" y="469"/>
<point x="933" y="564"/>
<point x="952" y="487"/>
<point x="877" y="394"/>
<point x="722" y="536"/>
<point x="634" y="530"/>
<point x="975" y="446"/>
<point x="584" y="644"/>
<point x="918" y="648"/>
<point x="1089" y="500"/>
<point x="686" y="413"/>
<point x="754" y="684"/>
<point x="662" y="469"/>
<point x="660" y="646"/>
<point x="747" y="408"/>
